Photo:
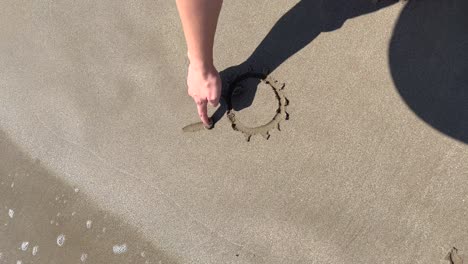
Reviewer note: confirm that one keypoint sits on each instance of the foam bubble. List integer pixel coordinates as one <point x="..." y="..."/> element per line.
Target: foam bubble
<point x="12" y="184"/>
<point x="35" y="250"/>
<point x="83" y="257"/>
<point x="19" y="262"/>
<point x="61" y="240"/>
<point x="77" y="190"/>
<point x="11" y="213"/>
<point x="89" y="224"/>
<point x="119" y="249"/>
<point x="24" y="245"/>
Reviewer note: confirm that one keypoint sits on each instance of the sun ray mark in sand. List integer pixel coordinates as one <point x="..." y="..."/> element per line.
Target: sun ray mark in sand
<point x="454" y="257"/>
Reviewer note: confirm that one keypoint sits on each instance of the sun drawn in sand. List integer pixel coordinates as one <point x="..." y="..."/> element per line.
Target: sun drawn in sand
<point x="281" y="111"/>
<point x="263" y="130"/>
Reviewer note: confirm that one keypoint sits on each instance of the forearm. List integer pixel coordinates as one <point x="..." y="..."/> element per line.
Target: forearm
<point x="199" y="19"/>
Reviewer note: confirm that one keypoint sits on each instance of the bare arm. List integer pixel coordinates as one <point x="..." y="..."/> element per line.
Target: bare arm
<point x="199" y="20"/>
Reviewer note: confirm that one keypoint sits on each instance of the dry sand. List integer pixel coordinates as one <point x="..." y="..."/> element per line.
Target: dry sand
<point x="371" y="167"/>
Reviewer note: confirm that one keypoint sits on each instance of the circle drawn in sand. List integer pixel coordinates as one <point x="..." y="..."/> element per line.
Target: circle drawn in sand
<point x="280" y="115"/>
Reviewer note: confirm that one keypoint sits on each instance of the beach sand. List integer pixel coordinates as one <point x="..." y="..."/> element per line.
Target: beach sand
<point x="371" y="166"/>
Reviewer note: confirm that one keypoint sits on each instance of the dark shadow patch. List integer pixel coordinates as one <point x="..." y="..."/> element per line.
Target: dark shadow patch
<point x="428" y="57"/>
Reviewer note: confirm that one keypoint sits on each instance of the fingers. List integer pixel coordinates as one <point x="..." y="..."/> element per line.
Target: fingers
<point x="214" y="95"/>
<point x="203" y="111"/>
<point x="204" y="86"/>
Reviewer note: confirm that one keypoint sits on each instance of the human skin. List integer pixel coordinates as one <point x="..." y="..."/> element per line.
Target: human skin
<point x="199" y="20"/>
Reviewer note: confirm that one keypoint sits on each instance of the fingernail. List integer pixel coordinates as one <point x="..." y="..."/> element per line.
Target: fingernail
<point x="210" y="124"/>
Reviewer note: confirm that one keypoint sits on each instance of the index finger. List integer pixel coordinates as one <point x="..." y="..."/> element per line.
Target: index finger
<point x="203" y="111"/>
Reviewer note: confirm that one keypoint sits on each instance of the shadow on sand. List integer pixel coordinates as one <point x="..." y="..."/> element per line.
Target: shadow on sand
<point x="293" y="31"/>
<point x="428" y="58"/>
<point x="428" y="55"/>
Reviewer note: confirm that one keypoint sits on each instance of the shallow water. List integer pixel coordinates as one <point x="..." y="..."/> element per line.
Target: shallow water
<point x="44" y="220"/>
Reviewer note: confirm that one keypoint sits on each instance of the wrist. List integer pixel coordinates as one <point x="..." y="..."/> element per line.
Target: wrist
<point x="200" y="63"/>
<point x="202" y="66"/>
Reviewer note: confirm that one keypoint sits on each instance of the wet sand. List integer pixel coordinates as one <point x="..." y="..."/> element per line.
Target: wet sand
<point x="45" y="220"/>
<point x="370" y="168"/>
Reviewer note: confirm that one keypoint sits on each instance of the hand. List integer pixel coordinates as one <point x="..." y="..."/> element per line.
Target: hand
<point x="204" y="86"/>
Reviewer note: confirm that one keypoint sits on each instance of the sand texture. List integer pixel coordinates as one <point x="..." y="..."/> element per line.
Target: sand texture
<point x="371" y="167"/>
